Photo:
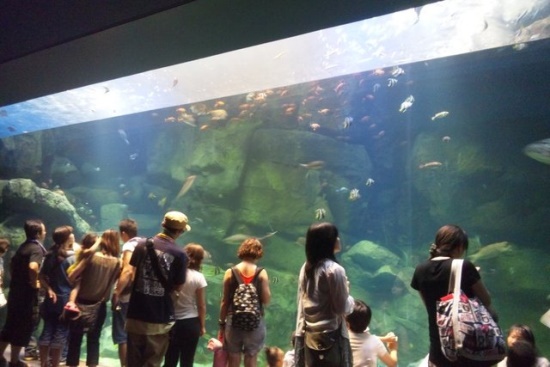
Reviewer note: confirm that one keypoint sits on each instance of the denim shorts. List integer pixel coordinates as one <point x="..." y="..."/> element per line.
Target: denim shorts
<point x="241" y="341"/>
<point x="55" y="332"/>
<point x="119" y="319"/>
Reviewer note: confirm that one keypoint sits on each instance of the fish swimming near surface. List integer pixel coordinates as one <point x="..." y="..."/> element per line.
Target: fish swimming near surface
<point x="539" y="151"/>
<point x="123" y="136"/>
<point x="218" y="114"/>
<point x="433" y="164"/>
<point x="186" y="186"/>
<point x="440" y="115"/>
<point x="313" y="165"/>
<point x="492" y="251"/>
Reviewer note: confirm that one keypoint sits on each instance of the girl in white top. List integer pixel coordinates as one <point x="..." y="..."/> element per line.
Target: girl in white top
<point x="190" y="312"/>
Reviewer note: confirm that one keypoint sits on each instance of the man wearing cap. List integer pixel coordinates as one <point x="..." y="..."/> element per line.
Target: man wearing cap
<point x="151" y="312"/>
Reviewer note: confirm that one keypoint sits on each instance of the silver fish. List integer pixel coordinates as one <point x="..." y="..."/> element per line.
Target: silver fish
<point x="539" y="151"/>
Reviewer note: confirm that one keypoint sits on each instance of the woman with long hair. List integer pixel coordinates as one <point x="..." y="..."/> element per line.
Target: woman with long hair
<point x="323" y="301"/>
<point x="53" y="278"/>
<point x="431" y="280"/>
<point x="190" y="312"/>
<point x="93" y="285"/>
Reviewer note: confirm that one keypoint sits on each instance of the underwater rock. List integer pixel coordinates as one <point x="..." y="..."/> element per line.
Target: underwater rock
<point x="276" y="182"/>
<point x="21" y="155"/>
<point x="111" y="214"/>
<point x="22" y="196"/>
<point x="370" y="256"/>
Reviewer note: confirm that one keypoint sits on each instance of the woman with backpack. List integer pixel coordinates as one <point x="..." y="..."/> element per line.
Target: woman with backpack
<point x="245" y="294"/>
<point x="323" y="302"/>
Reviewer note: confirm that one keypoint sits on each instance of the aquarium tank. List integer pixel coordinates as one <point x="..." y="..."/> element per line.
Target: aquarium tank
<point x="388" y="127"/>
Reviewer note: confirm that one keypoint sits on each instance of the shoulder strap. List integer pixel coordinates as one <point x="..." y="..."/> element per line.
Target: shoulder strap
<point x="236" y="275"/>
<point x="155" y="263"/>
<point x="456" y="273"/>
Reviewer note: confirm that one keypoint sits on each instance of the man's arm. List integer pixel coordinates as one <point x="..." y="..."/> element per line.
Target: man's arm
<point x="34" y="267"/>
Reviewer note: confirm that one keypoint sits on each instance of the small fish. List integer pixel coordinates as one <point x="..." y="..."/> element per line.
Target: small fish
<point x="186" y="186"/>
<point x="539" y="151"/>
<point x="375" y="87"/>
<point x="354" y="195"/>
<point x="313" y="165"/>
<point x="3" y="113"/>
<point x="407" y="103"/>
<point x="320" y="213"/>
<point x="274" y="280"/>
<point x="446" y="139"/>
<point x="218" y="114"/>
<point x="219" y="104"/>
<point x="123" y="136"/>
<point x="369" y="182"/>
<point x="174" y="82"/>
<point x="323" y="111"/>
<point x="440" y="115"/>
<point x="347" y="122"/>
<point x="392" y="82"/>
<point x="314" y="126"/>
<point x="133" y="156"/>
<point x="187" y="119"/>
<point x="11" y="129"/>
<point x="151" y="196"/>
<point x="162" y="202"/>
<point x="106" y="90"/>
<point x="342" y="189"/>
<point x="397" y="71"/>
<point x="433" y="164"/>
<point x="170" y="119"/>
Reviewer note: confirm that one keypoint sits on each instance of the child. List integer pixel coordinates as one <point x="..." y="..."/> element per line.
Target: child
<point x="367" y="348"/>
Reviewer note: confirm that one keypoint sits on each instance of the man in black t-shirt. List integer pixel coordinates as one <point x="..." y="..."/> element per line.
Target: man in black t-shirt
<point x="157" y="272"/>
<point x="23" y="295"/>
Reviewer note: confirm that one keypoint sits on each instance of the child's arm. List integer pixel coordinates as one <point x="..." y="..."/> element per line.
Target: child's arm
<point x="390" y="358"/>
<point x="74" y="293"/>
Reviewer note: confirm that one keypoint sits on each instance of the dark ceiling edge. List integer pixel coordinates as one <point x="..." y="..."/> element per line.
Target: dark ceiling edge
<point x="189" y="32"/>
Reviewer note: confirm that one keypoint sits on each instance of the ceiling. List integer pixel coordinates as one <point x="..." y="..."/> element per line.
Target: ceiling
<point x="68" y="44"/>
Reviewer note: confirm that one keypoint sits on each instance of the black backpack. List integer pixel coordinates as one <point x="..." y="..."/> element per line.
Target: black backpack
<point x="246" y="306"/>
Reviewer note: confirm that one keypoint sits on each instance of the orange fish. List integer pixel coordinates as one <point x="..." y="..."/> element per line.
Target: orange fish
<point x="324" y="111"/>
<point x="204" y="127"/>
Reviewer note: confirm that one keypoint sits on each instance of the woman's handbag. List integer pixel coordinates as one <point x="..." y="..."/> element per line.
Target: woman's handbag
<point x="87" y="316"/>
<point x="466" y="328"/>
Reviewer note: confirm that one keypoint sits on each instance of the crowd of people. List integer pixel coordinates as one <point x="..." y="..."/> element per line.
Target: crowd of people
<point x="158" y="301"/>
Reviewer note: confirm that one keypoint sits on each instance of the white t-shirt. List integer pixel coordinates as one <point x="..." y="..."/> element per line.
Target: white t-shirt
<point x="366" y="348"/>
<point x="129" y="245"/>
<point x="185" y="305"/>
